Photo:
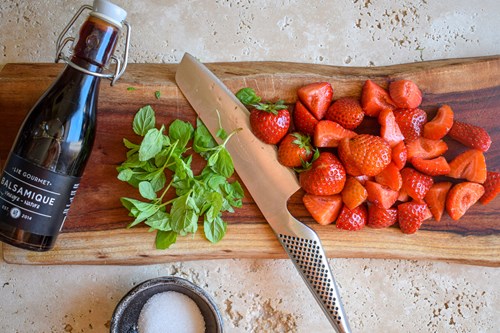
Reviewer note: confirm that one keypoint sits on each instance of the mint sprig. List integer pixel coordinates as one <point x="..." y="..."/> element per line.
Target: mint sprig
<point x="197" y="197"/>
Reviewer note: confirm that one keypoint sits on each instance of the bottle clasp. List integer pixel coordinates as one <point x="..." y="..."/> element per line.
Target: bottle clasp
<point x="63" y="40"/>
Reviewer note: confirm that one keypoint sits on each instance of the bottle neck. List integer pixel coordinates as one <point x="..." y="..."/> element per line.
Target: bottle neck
<point x="95" y="44"/>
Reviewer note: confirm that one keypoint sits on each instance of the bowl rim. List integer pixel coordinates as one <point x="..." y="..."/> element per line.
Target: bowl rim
<point x="126" y="300"/>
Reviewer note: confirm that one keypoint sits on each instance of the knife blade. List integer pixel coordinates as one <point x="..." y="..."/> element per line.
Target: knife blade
<point x="270" y="183"/>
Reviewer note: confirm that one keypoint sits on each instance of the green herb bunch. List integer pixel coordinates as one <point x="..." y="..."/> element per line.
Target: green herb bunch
<point x="206" y="195"/>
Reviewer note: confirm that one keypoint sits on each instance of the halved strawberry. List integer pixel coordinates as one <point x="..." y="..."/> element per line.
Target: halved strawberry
<point x="323" y="208"/>
<point x="329" y="133"/>
<point x="405" y="94"/>
<point x="325" y="177"/>
<point x="389" y="129"/>
<point x="316" y="97"/>
<point x="411" y="122"/>
<point x="379" y="218"/>
<point x="381" y="195"/>
<point x="416" y="184"/>
<point x="461" y="197"/>
<point x="346" y="111"/>
<point x="491" y="187"/>
<point x="390" y="177"/>
<point x="436" y="198"/>
<point x="434" y="167"/>
<point x="354" y="219"/>
<point x="426" y="148"/>
<point x="303" y="120"/>
<point x="411" y="215"/>
<point x="374" y="99"/>
<point x="470" y="165"/>
<point x="353" y="194"/>
<point x="399" y="155"/>
<point x="294" y="150"/>
<point x="440" y="125"/>
<point x="470" y="136"/>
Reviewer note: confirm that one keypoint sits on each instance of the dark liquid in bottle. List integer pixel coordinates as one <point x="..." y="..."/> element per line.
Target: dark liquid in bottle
<point x="52" y="148"/>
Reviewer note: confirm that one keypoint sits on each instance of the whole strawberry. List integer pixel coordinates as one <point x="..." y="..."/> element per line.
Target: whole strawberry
<point x="347" y="112"/>
<point x="294" y="150"/>
<point x="365" y="154"/>
<point x="269" y="121"/>
<point x="325" y="177"/>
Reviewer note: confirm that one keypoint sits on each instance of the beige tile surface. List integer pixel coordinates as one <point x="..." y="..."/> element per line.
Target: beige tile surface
<point x="267" y="295"/>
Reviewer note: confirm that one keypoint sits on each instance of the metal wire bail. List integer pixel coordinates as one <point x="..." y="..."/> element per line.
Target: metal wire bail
<point x="120" y="65"/>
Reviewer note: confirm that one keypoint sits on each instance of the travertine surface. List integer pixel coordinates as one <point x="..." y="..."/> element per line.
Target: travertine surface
<point x="267" y="295"/>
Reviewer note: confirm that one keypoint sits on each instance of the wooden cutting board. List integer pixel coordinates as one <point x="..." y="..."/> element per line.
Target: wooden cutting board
<point x="95" y="230"/>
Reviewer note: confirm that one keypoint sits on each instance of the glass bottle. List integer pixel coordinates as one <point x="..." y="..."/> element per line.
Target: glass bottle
<point x="48" y="157"/>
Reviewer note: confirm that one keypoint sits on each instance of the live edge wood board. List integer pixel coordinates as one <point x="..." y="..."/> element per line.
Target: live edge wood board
<point x="95" y="231"/>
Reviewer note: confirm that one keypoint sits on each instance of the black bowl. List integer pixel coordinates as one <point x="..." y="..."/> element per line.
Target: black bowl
<point x="126" y="314"/>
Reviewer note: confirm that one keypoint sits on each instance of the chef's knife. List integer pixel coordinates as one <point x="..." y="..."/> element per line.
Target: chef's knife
<point x="269" y="183"/>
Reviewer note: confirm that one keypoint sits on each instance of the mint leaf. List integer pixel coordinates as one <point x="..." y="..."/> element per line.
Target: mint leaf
<point x="205" y="195"/>
<point x="157" y="94"/>
<point x="214" y="229"/>
<point x="247" y="96"/>
<point x="180" y="131"/>
<point x="146" y="190"/>
<point x="144" y="120"/>
<point x="151" y="144"/>
<point x="164" y="239"/>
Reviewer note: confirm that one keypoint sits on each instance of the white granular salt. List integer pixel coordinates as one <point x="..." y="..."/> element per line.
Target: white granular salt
<point x="171" y="312"/>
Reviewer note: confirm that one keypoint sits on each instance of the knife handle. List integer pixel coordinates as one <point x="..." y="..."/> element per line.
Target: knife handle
<point x="304" y="247"/>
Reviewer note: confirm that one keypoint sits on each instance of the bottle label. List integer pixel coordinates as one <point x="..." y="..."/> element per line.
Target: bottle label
<point x="35" y="199"/>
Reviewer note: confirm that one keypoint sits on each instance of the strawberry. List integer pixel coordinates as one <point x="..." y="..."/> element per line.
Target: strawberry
<point x="354" y="219"/>
<point x="316" y="97"/>
<point x="426" y="148"/>
<point x="461" y="197"/>
<point x="362" y="179"/>
<point x="294" y="150"/>
<point x="389" y="129"/>
<point x="440" y="125"/>
<point x="325" y="177"/>
<point x="433" y="167"/>
<point x="399" y="155"/>
<point x="345" y="156"/>
<point x="411" y="122"/>
<point x="390" y="177"/>
<point x="353" y="194"/>
<point x="323" y="208"/>
<point x="411" y="215"/>
<point x="470" y="136"/>
<point x="379" y="218"/>
<point x="491" y="187"/>
<point x="405" y="94"/>
<point x="470" y="165"/>
<point x="381" y="195"/>
<point x="270" y="122"/>
<point x="347" y="112"/>
<point x="365" y="153"/>
<point x="374" y="99"/>
<point x="436" y="199"/>
<point x="403" y="196"/>
<point x="303" y="120"/>
<point x="416" y="184"/>
<point x="328" y="134"/>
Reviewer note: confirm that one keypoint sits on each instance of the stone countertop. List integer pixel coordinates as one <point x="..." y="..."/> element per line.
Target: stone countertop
<point x="266" y="295"/>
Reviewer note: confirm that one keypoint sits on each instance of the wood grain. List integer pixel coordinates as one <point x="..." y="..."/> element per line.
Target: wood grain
<point x="94" y="232"/>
